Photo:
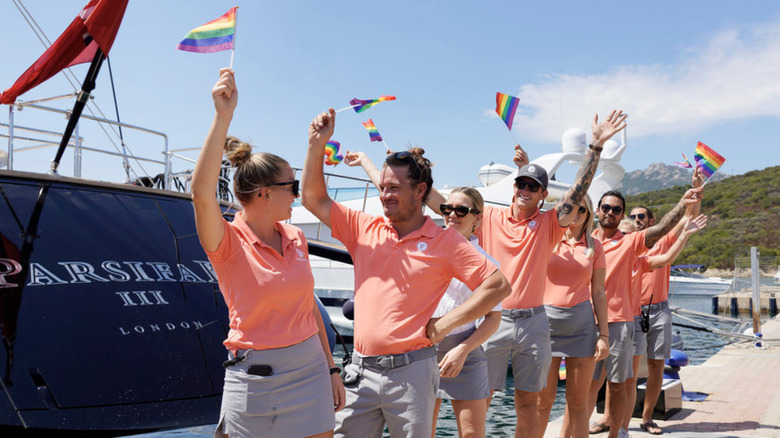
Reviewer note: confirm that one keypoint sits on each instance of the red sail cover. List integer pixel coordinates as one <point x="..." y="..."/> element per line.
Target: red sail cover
<point x="99" y="19"/>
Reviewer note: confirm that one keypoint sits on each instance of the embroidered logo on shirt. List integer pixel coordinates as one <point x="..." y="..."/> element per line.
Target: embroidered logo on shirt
<point x="532" y="225"/>
<point x="614" y="242"/>
<point x="422" y="246"/>
<point x="300" y="254"/>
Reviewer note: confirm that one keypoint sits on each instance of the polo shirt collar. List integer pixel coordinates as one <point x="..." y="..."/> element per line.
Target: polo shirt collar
<point x="511" y="216"/>
<point x="428" y="229"/>
<point x="240" y="223"/>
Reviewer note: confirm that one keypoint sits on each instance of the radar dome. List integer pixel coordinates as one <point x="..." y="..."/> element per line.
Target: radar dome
<point x="573" y="140"/>
<point x="492" y="173"/>
<point x="610" y="148"/>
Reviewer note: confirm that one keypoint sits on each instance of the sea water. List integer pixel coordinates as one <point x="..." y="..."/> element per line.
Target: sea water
<point x="698" y="345"/>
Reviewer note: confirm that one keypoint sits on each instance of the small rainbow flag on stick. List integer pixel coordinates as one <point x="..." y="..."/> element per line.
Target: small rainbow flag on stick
<point x="214" y="36"/>
<point x="708" y="160"/>
<point x="686" y="165"/>
<point x="373" y="133"/>
<point x="333" y="153"/>
<point x="361" y="105"/>
<point x="506" y="106"/>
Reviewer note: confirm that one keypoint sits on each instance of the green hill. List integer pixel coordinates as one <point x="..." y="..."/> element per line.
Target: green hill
<point x="742" y="211"/>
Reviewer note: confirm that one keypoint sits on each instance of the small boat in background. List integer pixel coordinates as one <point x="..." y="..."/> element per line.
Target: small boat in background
<point x="683" y="281"/>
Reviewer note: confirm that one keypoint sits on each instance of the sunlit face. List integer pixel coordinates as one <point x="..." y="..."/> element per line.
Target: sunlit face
<point x="641" y="218"/>
<point x="280" y="197"/>
<point x="610" y="219"/>
<point x="582" y="215"/>
<point x="464" y="225"/>
<point x="525" y="199"/>
<point x="400" y="201"/>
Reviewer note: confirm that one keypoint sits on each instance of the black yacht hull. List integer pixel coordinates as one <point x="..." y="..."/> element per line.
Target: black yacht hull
<point x="112" y="320"/>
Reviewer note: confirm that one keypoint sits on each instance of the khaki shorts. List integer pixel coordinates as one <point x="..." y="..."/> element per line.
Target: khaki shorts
<point x="621" y="348"/>
<point x="524" y="338"/>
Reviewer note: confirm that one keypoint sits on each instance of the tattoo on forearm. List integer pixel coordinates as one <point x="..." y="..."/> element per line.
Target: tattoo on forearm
<point x="582" y="182"/>
<point x="668" y="222"/>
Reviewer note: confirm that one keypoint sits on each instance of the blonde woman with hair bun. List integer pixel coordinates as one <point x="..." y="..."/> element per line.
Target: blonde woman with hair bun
<point x="279" y="368"/>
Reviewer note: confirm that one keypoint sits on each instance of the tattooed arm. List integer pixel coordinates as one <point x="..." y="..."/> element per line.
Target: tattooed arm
<point x="670" y="219"/>
<point x="567" y="206"/>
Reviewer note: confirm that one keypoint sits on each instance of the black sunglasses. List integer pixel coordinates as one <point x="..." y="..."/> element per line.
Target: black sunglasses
<point x="638" y="215"/>
<point x="460" y="210"/>
<point x="582" y="210"/>
<point x="295" y="186"/>
<point x="532" y="186"/>
<point x="403" y="156"/>
<point x="616" y="209"/>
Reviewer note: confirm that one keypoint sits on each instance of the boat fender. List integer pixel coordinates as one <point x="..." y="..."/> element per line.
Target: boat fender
<point x="677" y="359"/>
<point x="348" y="309"/>
<point x="329" y="330"/>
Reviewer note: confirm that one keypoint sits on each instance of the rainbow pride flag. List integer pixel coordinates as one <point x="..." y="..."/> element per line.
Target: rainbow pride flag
<point x="214" y="36"/>
<point x="708" y="160"/>
<point x="373" y="133"/>
<point x="506" y="106"/>
<point x="360" y="105"/>
<point x="686" y="165"/>
<point x="333" y="153"/>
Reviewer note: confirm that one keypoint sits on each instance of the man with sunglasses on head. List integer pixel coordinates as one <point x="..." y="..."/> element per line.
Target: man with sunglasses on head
<point x="522" y="238"/>
<point x="621" y="251"/>
<point x="403" y="264"/>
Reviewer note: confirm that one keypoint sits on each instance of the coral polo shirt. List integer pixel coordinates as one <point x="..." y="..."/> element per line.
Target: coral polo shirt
<point x="570" y="273"/>
<point x="655" y="283"/>
<point x="523" y="249"/>
<point x="621" y="251"/>
<point x="270" y="297"/>
<point x="399" y="282"/>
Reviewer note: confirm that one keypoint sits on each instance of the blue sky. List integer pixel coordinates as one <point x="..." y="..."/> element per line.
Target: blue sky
<point x="684" y="72"/>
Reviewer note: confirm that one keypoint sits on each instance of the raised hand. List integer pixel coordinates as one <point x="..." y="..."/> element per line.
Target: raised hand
<point x="695" y="224"/>
<point x="698" y="178"/>
<point x="521" y="157"/>
<point x="322" y="127"/>
<point x="353" y="159"/>
<point x="692" y="196"/>
<point x="224" y="93"/>
<point x="605" y="130"/>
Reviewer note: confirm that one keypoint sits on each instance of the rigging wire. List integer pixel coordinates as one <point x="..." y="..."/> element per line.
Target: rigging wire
<point x="73" y="81"/>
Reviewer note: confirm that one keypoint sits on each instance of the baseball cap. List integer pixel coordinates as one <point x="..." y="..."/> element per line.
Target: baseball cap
<point x="535" y="172"/>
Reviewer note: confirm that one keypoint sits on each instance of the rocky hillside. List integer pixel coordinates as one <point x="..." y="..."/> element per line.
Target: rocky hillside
<point x="659" y="176"/>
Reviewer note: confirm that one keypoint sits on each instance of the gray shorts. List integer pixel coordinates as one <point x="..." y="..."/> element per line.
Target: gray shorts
<point x="472" y="381"/>
<point x="393" y="391"/>
<point x="524" y="338"/>
<point x="620" y="360"/>
<point x="272" y="406"/>
<point x="657" y="342"/>
<point x="573" y="331"/>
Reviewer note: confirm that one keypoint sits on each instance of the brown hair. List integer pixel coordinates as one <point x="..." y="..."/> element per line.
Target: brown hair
<point x="253" y="171"/>
<point x="473" y="194"/>
<point x="419" y="173"/>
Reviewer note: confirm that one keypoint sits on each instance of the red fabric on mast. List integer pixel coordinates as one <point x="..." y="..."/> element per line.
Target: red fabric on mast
<point x="100" y="19"/>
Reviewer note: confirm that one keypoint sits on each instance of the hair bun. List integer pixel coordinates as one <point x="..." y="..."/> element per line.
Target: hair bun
<point x="237" y="151"/>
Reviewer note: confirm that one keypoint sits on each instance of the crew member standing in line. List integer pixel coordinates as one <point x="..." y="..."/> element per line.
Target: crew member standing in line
<point x="277" y="367"/>
<point x="403" y="265"/>
<point x="621" y="252"/>
<point x="522" y="238"/>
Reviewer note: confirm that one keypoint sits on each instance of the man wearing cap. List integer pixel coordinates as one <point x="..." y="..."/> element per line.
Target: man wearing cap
<point x="522" y="238"/>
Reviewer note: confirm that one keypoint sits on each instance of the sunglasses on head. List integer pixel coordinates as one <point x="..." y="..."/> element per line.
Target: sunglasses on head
<point x="582" y="210"/>
<point x="403" y="156"/>
<point x="295" y="186"/>
<point x="639" y="216"/>
<point x="460" y="210"/>
<point x="616" y="209"/>
<point x="532" y="186"/>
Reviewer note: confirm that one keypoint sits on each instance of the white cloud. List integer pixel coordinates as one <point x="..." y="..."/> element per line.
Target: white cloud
<point x="734" y="75"/>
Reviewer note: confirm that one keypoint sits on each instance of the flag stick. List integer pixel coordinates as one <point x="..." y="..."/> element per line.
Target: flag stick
<point x="346" y="108"/>
<point x="235" y="39"/>
<point x="388" y="147"/>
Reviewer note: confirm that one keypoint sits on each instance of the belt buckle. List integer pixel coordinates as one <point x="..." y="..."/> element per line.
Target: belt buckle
<point x="384" y="362"/>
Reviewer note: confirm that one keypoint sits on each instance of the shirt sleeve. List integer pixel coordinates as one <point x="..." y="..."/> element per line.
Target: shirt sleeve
<point x="345" y="224"/>
<point x="227" y="247"/>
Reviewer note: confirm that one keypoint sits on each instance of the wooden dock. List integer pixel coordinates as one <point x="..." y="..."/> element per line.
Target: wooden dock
<point x="743" y="387"/>
<point x="769" y="297"/>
